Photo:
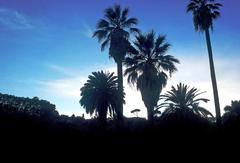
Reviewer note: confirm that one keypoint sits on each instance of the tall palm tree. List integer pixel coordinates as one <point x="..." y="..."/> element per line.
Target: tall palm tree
<point x="114" y="30"/>
<point x="147" y="69"/>
<point x="100" y="95"/>
<point x="183" y="97"/>
<point x="204" y="13"/>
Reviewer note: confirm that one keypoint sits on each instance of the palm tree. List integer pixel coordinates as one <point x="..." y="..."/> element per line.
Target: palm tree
<point x="114" y="30"/>
<point x="147" y="69"/>
<point x="100" y="95"/>
<point x="184" y="98"/>
<point x="204" y="13"/>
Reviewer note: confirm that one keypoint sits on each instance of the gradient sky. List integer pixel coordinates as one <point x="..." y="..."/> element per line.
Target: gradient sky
<point x="46" y="49"/>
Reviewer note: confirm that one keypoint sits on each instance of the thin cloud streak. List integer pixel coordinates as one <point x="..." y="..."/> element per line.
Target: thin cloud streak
<point x="62" y="70"/>
<point x="14" y="20"/>
<point x="87" y="30"/>
<point x="67" y="88"/>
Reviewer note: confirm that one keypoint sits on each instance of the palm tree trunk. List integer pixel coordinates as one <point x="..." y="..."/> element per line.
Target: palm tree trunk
<point x="120" y="89"/>
<point x="103" y="116"/>
<point x="150" y="114"/>
<point x="213" y="77"/>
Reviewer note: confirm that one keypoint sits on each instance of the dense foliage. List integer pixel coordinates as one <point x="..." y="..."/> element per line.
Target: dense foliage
<point x="34" y="106"/>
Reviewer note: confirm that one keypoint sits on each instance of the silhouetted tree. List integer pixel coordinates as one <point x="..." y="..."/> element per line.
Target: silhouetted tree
<point x="33" y="107"/>
<point x="135" y="112"/>
<point x="147" y="69"/>
<point x="234" y="107"/>
<point x="204" y="13"/>
<point x="183" y="97"/>
<point x="232" y="114"/>
<point x="100" y="95"/>
<point x="114" y="30"/>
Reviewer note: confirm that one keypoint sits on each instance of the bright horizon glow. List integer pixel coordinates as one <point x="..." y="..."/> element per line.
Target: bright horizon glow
<point x="46" y="49"/>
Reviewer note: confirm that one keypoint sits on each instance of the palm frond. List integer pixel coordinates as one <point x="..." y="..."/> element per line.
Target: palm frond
<point x="134" y="30"/>
<point x="102" y="23"/>
<point x="118" y="11"/>
<point x="105" y="43"/>
<point x="110" y="15"/>
<point x="124" y="15"/>
<point x="100" y="34"/>
<point x="130" y="22"/>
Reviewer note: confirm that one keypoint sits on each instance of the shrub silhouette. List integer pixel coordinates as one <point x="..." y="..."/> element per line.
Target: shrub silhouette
<point x="231" y="117"/>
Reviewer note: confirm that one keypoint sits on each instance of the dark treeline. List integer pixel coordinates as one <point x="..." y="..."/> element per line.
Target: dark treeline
<point x="25" y="119"/>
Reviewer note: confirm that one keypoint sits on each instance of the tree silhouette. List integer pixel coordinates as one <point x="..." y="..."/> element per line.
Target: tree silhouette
<point x="235" y="107"/>
<point x="100" y="95"/>
<point x="204" y="13"/>
<point x="183" y="97"/>
<point x="147" y="69"/>
<point x="231" y="117"/>
<point x="114" y="30"/>
<point x="135" y="112"/>
<point x="33" y="107"/>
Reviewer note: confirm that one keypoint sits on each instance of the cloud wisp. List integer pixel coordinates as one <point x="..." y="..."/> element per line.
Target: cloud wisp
<point x="14" y="20"/>
<point x="87" y="30"/>
<point x="63" y="70"/>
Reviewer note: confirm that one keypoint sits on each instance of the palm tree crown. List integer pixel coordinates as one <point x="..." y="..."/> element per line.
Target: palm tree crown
<point x="115" y="23"/>
<point x="100" y="94"/>
<point x="183" y="97"/>
<point x="150" y="61"/>
<point x="147" y="68"/>
<point x="204" y="12"/>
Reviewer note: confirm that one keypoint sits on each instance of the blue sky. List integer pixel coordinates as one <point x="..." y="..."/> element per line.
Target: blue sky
<point x="46" y="49"/>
